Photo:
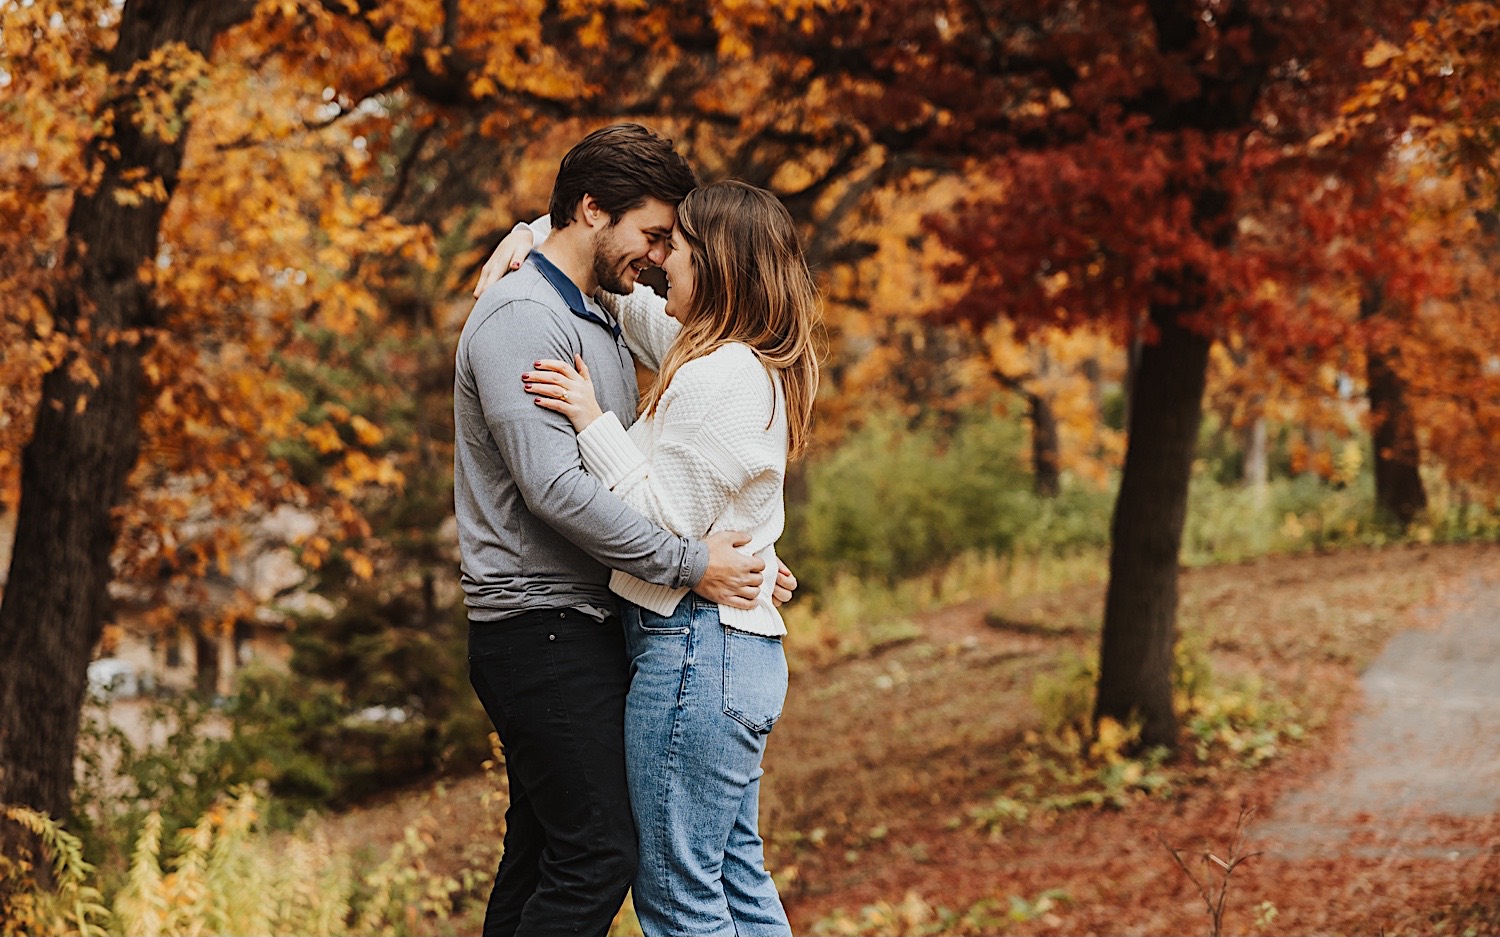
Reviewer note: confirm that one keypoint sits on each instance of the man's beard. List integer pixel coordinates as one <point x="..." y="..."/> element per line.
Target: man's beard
<point x="609" y="266"/>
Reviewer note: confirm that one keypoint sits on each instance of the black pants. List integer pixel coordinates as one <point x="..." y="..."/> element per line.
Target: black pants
<point x="553" y="682"/>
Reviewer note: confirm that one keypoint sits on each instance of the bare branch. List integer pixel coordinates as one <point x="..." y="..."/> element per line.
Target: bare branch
<point x="1212" y="900"/>
<point x="389" y="85"/>
<point x="450" y="23"/>
<point x="403" y="175"/>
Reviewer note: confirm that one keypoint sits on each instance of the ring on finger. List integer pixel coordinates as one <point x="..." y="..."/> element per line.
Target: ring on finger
<point x="563" y="396"/>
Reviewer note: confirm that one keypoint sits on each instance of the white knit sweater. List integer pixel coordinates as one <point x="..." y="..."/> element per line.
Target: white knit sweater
<point x="711" y="457"/>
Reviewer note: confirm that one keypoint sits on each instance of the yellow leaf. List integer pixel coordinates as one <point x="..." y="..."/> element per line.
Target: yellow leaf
<point x="360" y="564"/>
<point x="368" y="433"/>
<point x="591" y="35"/>
<point x="324" y="438"/>
<point x="1380" y="53"/>
<point x="398" y="40"/>
<point x="734" y="47"/>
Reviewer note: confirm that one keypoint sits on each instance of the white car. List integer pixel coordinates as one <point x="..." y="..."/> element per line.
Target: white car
<point x="112" y="678"/>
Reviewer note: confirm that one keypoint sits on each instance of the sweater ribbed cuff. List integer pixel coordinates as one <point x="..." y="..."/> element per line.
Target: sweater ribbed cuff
<point x="608" y="452"/>
<point x="541" y="229"/>
<point x="763" y="620"/>
<point x="660" y="599"/>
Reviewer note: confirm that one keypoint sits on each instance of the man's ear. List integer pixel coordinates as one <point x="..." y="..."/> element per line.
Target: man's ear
<point x="590" y="213"/>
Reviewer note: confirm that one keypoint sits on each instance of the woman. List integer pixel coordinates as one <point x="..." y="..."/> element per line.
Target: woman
<point x="732" y="346"/>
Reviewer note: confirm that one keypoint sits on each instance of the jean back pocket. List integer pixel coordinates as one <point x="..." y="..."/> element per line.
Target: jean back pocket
<point x="755" y="679"/>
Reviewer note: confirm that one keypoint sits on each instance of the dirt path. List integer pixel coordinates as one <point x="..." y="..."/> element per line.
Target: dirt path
<point x="1425" y="745"/>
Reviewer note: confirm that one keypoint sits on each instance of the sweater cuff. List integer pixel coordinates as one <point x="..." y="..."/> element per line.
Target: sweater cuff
<point x="541" y="229"/>
<point x="608" y="452"/>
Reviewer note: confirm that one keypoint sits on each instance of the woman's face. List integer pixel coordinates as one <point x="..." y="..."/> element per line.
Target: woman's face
<point x="679" y="270"/>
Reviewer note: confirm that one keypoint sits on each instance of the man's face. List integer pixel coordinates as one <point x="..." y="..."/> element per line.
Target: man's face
<point x="637" y="240"/>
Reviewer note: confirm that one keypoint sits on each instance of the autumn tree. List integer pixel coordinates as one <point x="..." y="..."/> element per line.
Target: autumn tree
<point x="1132" y="140"/>
<point x="1344" y="259"/>
<point x="86" y="437"/>
<point x="1438" y="85"/>
<point x="195" y="193"/>
<point x="1403" y="281"/>
<point x="1399" y="493"/>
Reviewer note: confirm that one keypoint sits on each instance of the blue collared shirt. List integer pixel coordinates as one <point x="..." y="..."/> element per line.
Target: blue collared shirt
<point x="572" y="295"/>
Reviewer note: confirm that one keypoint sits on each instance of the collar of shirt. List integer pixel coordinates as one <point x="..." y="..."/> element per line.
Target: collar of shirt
<point x="570" y="293"/>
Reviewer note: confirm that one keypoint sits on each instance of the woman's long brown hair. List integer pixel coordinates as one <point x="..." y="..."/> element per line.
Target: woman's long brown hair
<point x="751" y="285"/>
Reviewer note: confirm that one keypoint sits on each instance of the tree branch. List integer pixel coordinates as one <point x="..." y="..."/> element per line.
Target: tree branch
<point x="403" y="175"/>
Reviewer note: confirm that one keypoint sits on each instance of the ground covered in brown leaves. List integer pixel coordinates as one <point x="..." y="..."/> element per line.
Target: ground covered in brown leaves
<point x="880" y="774"/>
<point x="883" y="754"/>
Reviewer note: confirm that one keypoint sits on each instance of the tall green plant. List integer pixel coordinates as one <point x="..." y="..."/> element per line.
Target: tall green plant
<point x="896" y="500"/>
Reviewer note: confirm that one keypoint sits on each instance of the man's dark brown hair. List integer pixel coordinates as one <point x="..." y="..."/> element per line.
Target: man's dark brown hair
<point x="620" y="166"/>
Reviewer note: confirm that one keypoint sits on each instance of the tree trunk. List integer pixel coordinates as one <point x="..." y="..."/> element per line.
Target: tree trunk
<point x="206" y="656"/>
<point x="1132" y="372"/>
<point x="1045" y="455"/>
<point x="1046" y="479"/>
<point x="86" y="439"/>
<point x="1135" y="667"/>
<point x="1257" y="456"/>
<point x="1399" y="494"/>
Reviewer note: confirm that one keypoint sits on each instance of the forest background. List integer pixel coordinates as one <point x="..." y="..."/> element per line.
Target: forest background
<point x="1110" y="290"/>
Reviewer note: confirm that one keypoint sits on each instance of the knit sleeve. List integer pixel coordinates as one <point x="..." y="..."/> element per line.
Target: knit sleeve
<point x="642" y="315"/>
<point x="541" y="228"/>
<point x="715" y="434"/>
<point x="643" y="319"/>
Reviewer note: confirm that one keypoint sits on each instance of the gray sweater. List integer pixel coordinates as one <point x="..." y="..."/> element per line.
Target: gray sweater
<point x="535" y="530"/>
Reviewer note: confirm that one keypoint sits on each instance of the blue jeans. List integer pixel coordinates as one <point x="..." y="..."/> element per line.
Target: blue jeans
<point x="702" y="700"/>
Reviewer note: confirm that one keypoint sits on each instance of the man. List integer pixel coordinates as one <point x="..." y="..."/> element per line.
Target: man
<point x="538" y="536"/>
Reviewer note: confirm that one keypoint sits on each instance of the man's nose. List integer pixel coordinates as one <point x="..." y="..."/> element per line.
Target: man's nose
<point x="657" y="255"/>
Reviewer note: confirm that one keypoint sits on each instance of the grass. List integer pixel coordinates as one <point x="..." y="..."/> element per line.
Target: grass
<point x="852" y="616"/>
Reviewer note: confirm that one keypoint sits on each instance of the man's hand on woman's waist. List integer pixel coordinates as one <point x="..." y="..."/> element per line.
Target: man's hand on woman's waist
<point x="732" y="578"/>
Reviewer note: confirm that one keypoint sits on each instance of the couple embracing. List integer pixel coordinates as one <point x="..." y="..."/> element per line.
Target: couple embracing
<point x="619" y="561"/>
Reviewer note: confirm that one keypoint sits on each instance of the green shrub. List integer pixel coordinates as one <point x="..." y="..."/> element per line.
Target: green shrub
<point x="1072" y="763"/>
<point x="896" y="501"/>
<point x="1224" y="723"/>
<point x="395" y="670"/>
<point x="375" y="697"/>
